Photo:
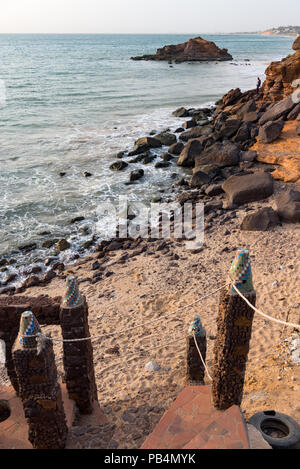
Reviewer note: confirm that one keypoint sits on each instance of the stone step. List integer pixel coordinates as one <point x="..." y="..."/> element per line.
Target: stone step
<point x="227" y="432"/>
<point x="192" y="422"/>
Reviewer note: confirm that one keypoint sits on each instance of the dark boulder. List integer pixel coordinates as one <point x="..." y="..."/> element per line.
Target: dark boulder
<point x="222" y="154"/>
<point x="294" y="113"/>
<point x="230" y="128"/>
<point x="162" y="164"/>
<point x="261" y="220"/>
<point x="166" y="138"/>
<point x="167" y="157"/>
<point x="199" y="179"/>
<point x="241" y="189"/>
<point x="288" y="206"/>
<point x="176" y="148"/>
<point x="196" y="132"/>
<point x="181" y="112"/>
<point x="138" y="158"/>
<point x="188" y="154"/>
<point x="248" y="108"/>
<point x="144" y="144"/>
<point x="231" y="97"/>
<point x="148" y="159"/>
<point x="118" y="165"/>
<point x="270" y="131"/>
<point x="190" y="124"/>
<point x="275" y="111"/>
<point x="137" y="174"/>
<point x="214" y="189"/>
<point x="249" y="155"/>
<point x="243" y="134"/>
<point x="211" y="170"/>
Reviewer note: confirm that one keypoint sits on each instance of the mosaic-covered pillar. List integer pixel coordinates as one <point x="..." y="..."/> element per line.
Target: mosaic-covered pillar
<point x="233" y="336"/>
<point x="78" y="355"/>
<point x="195" y="368"/>
<point x="38" y="386"/>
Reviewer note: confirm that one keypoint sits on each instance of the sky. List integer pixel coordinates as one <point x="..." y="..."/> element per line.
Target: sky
<point x="146" y="16"/>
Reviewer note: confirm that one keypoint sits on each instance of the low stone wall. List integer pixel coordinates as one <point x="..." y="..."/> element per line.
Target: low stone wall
<point x="46" y="311"/>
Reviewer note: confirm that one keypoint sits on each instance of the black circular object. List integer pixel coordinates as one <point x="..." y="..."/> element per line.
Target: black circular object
<point x="279" y="430"/>
<point x="4" y="411"/>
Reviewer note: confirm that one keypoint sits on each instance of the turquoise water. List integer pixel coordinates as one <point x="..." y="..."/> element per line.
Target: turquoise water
<point x="73" y="101"/>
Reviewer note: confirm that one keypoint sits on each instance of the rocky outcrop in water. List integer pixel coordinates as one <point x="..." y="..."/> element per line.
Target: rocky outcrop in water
<point x="194" y="50"/>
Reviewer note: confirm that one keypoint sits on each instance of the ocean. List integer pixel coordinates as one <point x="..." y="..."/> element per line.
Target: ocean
<point x="74" y="101"/>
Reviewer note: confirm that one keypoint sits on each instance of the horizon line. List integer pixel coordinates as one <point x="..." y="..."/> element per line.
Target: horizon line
<point x="142" y="34"/>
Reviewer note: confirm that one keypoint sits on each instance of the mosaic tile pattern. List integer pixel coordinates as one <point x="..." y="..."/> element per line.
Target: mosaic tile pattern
<point x="29" y="326"/>
<point x="72" y="297"/>
<point x="240" y="272"/>
<point x="196" y="327"/>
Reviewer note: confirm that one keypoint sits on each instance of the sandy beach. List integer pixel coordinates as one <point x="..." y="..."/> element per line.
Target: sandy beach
<point x="156" y="283"/>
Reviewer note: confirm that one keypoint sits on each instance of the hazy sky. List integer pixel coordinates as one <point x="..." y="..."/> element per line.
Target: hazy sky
<point x="145" y="16"/>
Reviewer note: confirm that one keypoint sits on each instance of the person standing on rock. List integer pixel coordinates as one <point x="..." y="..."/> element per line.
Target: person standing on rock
<point x="258" y="85"/>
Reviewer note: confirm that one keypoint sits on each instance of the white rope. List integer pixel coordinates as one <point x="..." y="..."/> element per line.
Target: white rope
<point x="278" y="321"/>
<point x="130" y="328"/>
<point x="200" y="354"/>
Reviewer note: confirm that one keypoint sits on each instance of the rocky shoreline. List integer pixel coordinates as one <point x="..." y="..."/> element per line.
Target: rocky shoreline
<point x="217" y="147"/>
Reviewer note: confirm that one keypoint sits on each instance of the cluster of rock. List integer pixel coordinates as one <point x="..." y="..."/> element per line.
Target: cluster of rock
<point x="145" y="148"/>
<point x="280" y="76"/>
<point x="194" y="50"/>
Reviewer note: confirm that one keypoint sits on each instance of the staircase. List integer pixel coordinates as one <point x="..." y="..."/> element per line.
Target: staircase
<point x="193" y="423"/>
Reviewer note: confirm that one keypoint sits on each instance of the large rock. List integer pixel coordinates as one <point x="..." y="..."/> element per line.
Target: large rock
<point x="166" y="138"/>
<point x="194" y="50"/>
<point x="62" y="245"/>
<point x="295" y="113"/>
<point x="222" y="154"/>
<point x="248" y="188"/>
<point x="199" y="179"/>
<point x="136" y="174"/>
<point x="288" y="206"/>
<point x="230" y="127"/>
<point x="118" y="165"/>
<point x="145" y="143"/>
<point x="176" y="148"/>
<point x="196" y="132"/>
<point x="188" y="154"/>
<point x="190" y="124"/>
<point x="212" y="170"/>
<point x="244" y="133"/>
<point x="261" y="220"/>
<point x="181" y="112"/>
<point x="269" y="132"/>
<point x="248" y="107"/>
<point x="249" y="156"/>
<point x="231" y="97"/>
<point x="283" y="108"/>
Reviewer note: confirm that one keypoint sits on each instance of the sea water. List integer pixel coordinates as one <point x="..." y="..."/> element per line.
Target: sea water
<point x="69" y="103"/>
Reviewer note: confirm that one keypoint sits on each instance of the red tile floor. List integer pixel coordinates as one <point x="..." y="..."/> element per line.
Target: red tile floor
<point x="193" y="423"/>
